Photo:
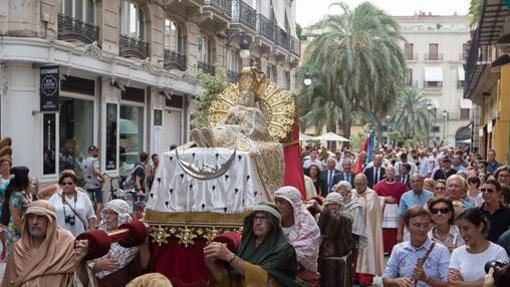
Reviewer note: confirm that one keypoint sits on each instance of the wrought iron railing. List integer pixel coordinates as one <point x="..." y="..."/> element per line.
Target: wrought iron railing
<point x="207" y="68"/>
<point x="174" y="60"/>
<point x="245" y="14"/>
<point x="132" y="47"/>
<point x="282" y="39"/>
<point x="265" y="27"/>
<point x="411" y="56"/>
<point x="224" y="6"/>
<point x="70" y="28"/>
<point x="434" y="57"/>
<point x="295" y="46"/>
<point x="231" y="76"/>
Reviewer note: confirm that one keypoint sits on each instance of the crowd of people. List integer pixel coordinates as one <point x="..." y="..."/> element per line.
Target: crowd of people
<point x="438" y="215"/>
<point x="39" y="227"/>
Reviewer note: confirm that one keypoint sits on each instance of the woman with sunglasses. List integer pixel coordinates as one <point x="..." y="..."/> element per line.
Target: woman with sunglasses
<point x="497" y="214"/>
<point x="444" y="230"/>
<point x="474" y="195"/>
<point x="74" y="209"/>
<point x="468" y="261"/>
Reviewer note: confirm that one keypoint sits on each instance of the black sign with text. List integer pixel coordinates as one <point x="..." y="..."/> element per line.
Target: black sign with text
<point x="50" y="86"/>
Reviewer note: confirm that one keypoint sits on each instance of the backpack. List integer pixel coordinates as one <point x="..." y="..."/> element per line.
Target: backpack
<point x="129" y="182"/>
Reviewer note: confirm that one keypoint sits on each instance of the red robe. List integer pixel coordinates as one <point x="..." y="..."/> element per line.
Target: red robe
<point x="394" y="189"/>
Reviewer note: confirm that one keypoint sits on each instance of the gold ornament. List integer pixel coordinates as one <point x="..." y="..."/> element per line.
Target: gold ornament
<point x="160" y="235"/>
<point x="210" y="233"/>
<point x="186" y="236"/>
<point x="278" y="106"/>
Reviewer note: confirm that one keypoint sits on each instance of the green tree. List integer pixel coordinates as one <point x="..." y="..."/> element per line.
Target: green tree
<point x="358" y="67"/>
<point x="212" y="85"/>
<point x="411" y="117"/>
<point x="474" y="12"/>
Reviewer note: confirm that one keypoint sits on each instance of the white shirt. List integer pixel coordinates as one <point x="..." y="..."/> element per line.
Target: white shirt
<point x="83" y="207"/>
<point x="471" y="266"/>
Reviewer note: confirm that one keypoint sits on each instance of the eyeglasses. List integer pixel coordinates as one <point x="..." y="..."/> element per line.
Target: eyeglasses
<point x="484" y="190"/>
<point x="67" y="183"/>
<point x="442" y="210"/>
<point x="260" y="217"/>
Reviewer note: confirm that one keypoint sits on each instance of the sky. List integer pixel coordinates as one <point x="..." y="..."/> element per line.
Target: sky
<point x="310" y="11"/>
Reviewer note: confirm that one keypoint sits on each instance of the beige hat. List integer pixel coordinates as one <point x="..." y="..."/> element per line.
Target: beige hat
<point x="334" y="197"/>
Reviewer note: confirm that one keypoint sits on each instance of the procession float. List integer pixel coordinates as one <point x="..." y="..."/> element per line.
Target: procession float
<point x="207" y="186"/>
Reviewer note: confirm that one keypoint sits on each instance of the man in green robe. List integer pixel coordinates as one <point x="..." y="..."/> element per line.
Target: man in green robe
<point x="264" y="257"/>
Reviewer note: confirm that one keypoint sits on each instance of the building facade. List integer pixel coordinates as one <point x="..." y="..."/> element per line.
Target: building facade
<point x="435" y="53"/>
<point x="126" y="71"/>
<point x="488" y="78"/>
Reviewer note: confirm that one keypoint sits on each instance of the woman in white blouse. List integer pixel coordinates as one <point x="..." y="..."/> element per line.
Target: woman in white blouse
<point x="468" y="261"/>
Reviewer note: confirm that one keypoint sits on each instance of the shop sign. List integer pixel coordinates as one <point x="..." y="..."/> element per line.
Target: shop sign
<point x="49" y="88"/>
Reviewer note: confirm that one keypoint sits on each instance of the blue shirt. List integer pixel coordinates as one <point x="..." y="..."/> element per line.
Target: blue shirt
<point x="410" y="198"/>
<point x="404" y="257"/>
<point x="492" y="166"/>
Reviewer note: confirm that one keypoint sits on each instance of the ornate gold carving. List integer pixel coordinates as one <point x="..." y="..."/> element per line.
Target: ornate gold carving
<point x="212" y="219"/>
<point x="159" y="234"/>
<point x="186" y="236"/>
<point x="278" y="106"/>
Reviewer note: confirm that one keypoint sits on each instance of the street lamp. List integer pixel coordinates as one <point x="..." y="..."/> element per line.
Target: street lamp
<point x="244" y="44"/>
<point x="307" y="80"/>
<point x="445" y="116"/>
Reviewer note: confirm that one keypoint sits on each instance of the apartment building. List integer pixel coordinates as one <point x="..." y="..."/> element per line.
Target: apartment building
<point x="435" y="51"/>
<point x="120" y="73"/>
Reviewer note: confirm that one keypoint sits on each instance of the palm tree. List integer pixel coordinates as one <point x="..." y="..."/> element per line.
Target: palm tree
<point x="411" y="116"/>
<point x="358" y="63"/>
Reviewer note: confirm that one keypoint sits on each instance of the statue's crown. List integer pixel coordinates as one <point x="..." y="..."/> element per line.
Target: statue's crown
<point x="247" y="79"/>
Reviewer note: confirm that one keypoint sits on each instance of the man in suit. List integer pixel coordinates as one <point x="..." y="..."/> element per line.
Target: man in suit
<point x="376" y="172"/>
<point x="405" y="176"/>
<point x="328" y="175"/>
<point x="347" y="174"/>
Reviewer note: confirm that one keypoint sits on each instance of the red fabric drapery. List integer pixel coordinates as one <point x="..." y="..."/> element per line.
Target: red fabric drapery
<point x="184" y="266"/>
<point x="293" y="174"/>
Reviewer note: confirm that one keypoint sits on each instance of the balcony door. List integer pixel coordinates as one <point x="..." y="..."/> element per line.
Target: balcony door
<point x="132" y="20"/>
<point x="174" y="37"/>
<point x="433" y="51"/>
<point x="84" y="10"/>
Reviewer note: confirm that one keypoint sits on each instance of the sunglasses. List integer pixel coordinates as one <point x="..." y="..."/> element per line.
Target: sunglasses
<point x="67" y="183"/>
<point x="442" y="210"/>
<point x="484" y="190"/>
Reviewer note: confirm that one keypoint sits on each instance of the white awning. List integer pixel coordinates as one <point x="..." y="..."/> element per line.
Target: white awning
<point x="465" y="103"/>
<point x="461" y="73"/>
<point x="433" y="74"/>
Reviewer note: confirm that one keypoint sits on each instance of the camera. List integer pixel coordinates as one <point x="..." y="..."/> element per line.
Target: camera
<point x="70" y="219"/>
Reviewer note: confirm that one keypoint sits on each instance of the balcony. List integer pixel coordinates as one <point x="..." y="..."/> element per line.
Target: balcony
<point x="231" y="76"/>
<point x="132" y="47"/>
<point x="432" y="86"/>
<point x="282" y="39"/>
<point x="434" y="57"/>
<point x="295" y="46"/>
<point x="224" y="6"/>
<point x="207" y="68"/>
<point x="70" y="28"/>
<point x="266" y="27"/>
<point x="244" y="14"/>
<point x="411" y="56"/>
<point x="174" y="60"/>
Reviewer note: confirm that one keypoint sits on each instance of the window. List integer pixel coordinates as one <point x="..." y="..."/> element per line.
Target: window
<point x="287" y="80"/>
<point x="435" y="129"/>
<point x="204" y="49"/>
<point x="232" y="60"/>
<point x="433" y="52"/>
<point x="131" y="131"/>
<point x="174" y="37"/>
<point x="132" y="20"/>
<point x="410" y="77"/>
<point x="465" y="51"/>
<point x="409" y="51"/>
<point x="84" y="10"/>
<point x="464" y="114"/>
<point x="274" y="74"/>
<point x="49" y="139"/>
<point x="433" y="84"/>
<point x="76" y="132"/>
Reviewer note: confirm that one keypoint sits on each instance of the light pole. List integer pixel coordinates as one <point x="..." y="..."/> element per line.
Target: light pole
<point x="445" y="116"/>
